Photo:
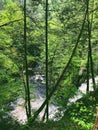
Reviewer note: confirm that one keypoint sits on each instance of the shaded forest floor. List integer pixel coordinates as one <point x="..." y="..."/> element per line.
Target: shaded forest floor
<point x="10" y="124"/>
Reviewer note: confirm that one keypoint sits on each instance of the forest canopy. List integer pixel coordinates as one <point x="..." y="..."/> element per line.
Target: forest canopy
<point x="58" y="40"/>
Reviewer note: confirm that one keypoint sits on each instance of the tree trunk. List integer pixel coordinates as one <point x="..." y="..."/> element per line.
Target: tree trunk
<point x="27" y="90"/>
<point x="96" y="121"/>
<point x="46" y="46"/>
<point x="90" y="60"/>
<point x="62" y="74"/>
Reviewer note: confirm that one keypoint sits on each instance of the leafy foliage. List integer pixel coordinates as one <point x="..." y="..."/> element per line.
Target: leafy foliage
<point x="64" y="24"/>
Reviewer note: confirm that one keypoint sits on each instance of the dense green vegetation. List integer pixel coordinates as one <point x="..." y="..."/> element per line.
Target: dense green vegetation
<point x="72" y="43"/>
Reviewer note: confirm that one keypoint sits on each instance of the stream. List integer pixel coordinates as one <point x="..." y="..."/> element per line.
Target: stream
<point x="82" y="90"/>
<point x="18" y="112"/>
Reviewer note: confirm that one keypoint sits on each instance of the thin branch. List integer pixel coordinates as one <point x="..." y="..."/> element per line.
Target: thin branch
<point x="10" y="22"/>
<point x="92" y="11"/>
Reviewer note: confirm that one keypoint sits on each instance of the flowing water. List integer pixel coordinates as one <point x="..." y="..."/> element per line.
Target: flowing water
<point x="82" y="90"/>
<point x="19" y="110"/>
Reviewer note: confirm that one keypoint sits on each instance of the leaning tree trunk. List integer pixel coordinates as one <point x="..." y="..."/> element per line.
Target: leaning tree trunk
<point x="62" y="74"/>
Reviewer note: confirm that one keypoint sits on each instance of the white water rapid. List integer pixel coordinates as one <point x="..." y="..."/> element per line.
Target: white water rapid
<point x="19" y="110"/>
<point x="82" y="90"/>
<point x="19" y="113"/>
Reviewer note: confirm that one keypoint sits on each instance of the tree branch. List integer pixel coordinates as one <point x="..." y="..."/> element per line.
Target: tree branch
<point x="10" y="22"/>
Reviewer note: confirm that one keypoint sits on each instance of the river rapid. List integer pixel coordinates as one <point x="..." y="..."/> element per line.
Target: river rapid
<point x="19" y="113"/>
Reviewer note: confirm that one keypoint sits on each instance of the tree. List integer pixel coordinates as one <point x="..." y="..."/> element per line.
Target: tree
<point x="46" y="35"/>
<point x="27" y="90"/>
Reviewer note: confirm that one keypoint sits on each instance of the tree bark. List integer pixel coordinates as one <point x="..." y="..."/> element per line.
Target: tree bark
<point x="27" y="90"/>
<point x="46" y="46"/>
<point x="96" y="121"/>
<point x="89" y="41"/>
<point x="90" y="59"/>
